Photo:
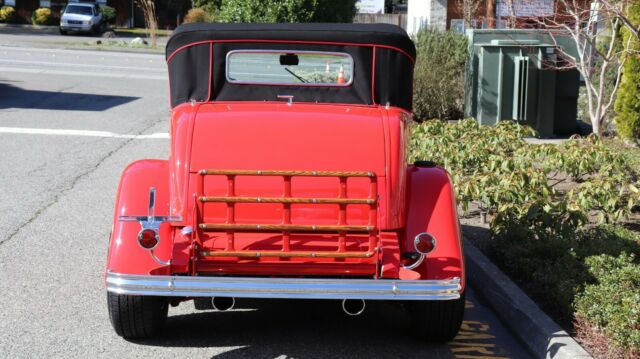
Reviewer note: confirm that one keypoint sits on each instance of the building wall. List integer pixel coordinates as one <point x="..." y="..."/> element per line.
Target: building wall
<point x="454" y="11"/>
<point x="422" y="13"/>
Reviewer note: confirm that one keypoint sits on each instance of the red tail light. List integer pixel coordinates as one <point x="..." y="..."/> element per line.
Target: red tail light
<point x="148" y="238"/>
<point x="424" y="243"/>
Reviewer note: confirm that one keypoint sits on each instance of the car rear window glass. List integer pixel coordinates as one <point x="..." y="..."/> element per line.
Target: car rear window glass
<point x="81" y="10"/>
<point x="303" y="68"/>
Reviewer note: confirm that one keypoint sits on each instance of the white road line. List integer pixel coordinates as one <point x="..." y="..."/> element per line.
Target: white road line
<point x="86" y="133"/>
<point x="119" y="54"/>
<point x="72" y="65"/>
<point x="9" y="69"/>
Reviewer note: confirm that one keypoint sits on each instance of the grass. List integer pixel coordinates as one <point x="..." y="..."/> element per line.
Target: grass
<point x="142" y="31"/>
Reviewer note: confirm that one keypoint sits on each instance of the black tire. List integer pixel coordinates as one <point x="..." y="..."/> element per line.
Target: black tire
<point x="62" y="32"/>
<point x="438" y="320"/>
<point x="137" y="317"/>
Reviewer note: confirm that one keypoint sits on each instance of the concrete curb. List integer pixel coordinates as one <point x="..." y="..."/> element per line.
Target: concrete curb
<point x="541" y="336"/>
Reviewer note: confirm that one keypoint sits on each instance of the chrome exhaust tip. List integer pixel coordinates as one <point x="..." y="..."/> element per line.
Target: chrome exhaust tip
<point x="353" y="307"/>
<point x="223" y="303"/>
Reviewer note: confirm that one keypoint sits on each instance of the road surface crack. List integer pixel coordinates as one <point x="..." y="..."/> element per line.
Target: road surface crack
<point x="73" y="184"/>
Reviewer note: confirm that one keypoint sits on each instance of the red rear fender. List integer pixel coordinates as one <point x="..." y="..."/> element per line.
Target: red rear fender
<point x="125" y="254"/>
<point x="431" y="208"/>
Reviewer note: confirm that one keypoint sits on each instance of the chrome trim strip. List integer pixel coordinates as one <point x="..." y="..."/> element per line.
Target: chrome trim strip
<point x="146" y="218"/>
<point x="294" y="288"/>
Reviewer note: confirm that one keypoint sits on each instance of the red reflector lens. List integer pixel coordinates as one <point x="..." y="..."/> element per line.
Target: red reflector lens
<point x="148" y="238"/>
<point x="424" y="243"/>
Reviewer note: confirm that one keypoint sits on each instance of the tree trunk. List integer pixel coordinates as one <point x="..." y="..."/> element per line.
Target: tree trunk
<point x="491" y="14"/>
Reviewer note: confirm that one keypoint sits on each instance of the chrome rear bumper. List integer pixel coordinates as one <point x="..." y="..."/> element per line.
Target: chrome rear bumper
<point x="294" y="288"/>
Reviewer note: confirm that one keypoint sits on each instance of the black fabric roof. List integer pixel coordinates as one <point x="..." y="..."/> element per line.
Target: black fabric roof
<point x="383" y="58"/>
<point x="378" y="34"/>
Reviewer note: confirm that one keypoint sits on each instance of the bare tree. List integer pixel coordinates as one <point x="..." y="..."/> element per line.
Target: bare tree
<point x="469" y="9"/>
<point x="149" y="9"/>
<point x="593" y="29"/>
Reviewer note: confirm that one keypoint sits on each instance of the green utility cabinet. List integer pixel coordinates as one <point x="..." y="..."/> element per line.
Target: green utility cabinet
<point x="512" y="75"/>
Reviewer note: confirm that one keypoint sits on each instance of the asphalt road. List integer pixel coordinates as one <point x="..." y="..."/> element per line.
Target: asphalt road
<point x="70" y="121"/>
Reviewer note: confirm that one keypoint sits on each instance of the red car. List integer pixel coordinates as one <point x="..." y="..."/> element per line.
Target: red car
<point x="287" y="178"/>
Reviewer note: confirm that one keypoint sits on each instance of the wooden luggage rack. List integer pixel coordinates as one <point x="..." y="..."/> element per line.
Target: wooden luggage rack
<point x="286" y="227"/>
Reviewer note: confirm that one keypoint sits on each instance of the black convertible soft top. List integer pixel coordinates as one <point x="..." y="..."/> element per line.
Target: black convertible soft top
<point x="383" y="58"/>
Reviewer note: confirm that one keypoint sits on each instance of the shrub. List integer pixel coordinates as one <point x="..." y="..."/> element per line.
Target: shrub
<point x="495" y="169"/>
<point x="335" y="11"/>
<point x="41" y="16"/>
<point x="196" y="15"/>
<point x="269" y="11"/>
<point x="628" y="102"/>
<point x="438" y="83"/>
<point x="210" y="7"/>
<point x="613" y="302"/>
<point x="108" y="14"/>
<point x="8" y="14"/>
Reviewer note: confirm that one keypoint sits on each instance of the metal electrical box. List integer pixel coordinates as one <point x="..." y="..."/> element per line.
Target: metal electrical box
<point x="512" y="75"/>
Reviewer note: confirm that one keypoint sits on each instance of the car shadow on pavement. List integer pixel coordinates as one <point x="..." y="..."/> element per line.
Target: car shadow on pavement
<point x="15" y="97"/>
<point x="296" y="328"/>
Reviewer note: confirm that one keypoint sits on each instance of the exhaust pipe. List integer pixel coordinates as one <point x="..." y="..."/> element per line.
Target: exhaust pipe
<point x="353" y="307"/>
<point x="223" y="303"/>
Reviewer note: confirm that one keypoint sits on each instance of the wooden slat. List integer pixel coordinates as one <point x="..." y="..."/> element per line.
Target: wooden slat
<point x="288" y="173"/>
<point x="287" y="200"/>
<point x="292" y="254"/>
<point x="210" y="227"/>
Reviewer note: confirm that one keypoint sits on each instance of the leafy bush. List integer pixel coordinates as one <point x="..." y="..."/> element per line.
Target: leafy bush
<point x="210" y="7"/>
<point x="558" y="271"/>
<point x="613" y="302"/>
<point x="335" y="11"/>
<point x="628" y="102"/>
<point x="269" y="11"/>
<point x="497" y="170"/>
<point x="108" y="14"/>
<point x="438" y="80"/>
<point x="8" y="14"/>
<point x="41" y="16"/>
<point x="547" y="203"/>
<point x="196" y="15"/>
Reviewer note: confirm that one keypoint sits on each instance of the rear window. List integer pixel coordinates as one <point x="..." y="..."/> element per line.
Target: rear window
<point x="302" y="68"/>
<point x="80" y="10"/>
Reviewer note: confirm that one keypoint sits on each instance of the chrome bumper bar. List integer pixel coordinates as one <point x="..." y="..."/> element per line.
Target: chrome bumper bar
<point x="293" y="288"/>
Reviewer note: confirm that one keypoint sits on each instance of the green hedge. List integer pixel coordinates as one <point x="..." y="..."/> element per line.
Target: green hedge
<point x="612" y="301"/>
<point x="269" y="11"/>
<point x="438" y="82"/>
<point x="108" y="14"/>
<point x="549" y="206"/>
<point x="628" y="102"/>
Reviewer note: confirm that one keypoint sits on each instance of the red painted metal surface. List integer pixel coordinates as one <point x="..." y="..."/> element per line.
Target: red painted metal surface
<point x="125" y="254"/>
<point x="288" y="137"/>
<point x="432" y="208"/>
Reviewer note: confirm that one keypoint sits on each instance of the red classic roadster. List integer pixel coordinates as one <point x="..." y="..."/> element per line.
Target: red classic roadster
<point x="287" y="178"/>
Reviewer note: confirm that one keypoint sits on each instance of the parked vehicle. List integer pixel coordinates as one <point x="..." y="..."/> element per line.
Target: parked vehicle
<point x="81" y="17"/>
<point x="287" y="178"/>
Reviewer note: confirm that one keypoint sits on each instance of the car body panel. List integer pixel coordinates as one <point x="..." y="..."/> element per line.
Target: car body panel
<point x="250" y="190"/>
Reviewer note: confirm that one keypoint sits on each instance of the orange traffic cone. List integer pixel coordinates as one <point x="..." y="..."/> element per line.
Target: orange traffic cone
<point x="341" y="75"/>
